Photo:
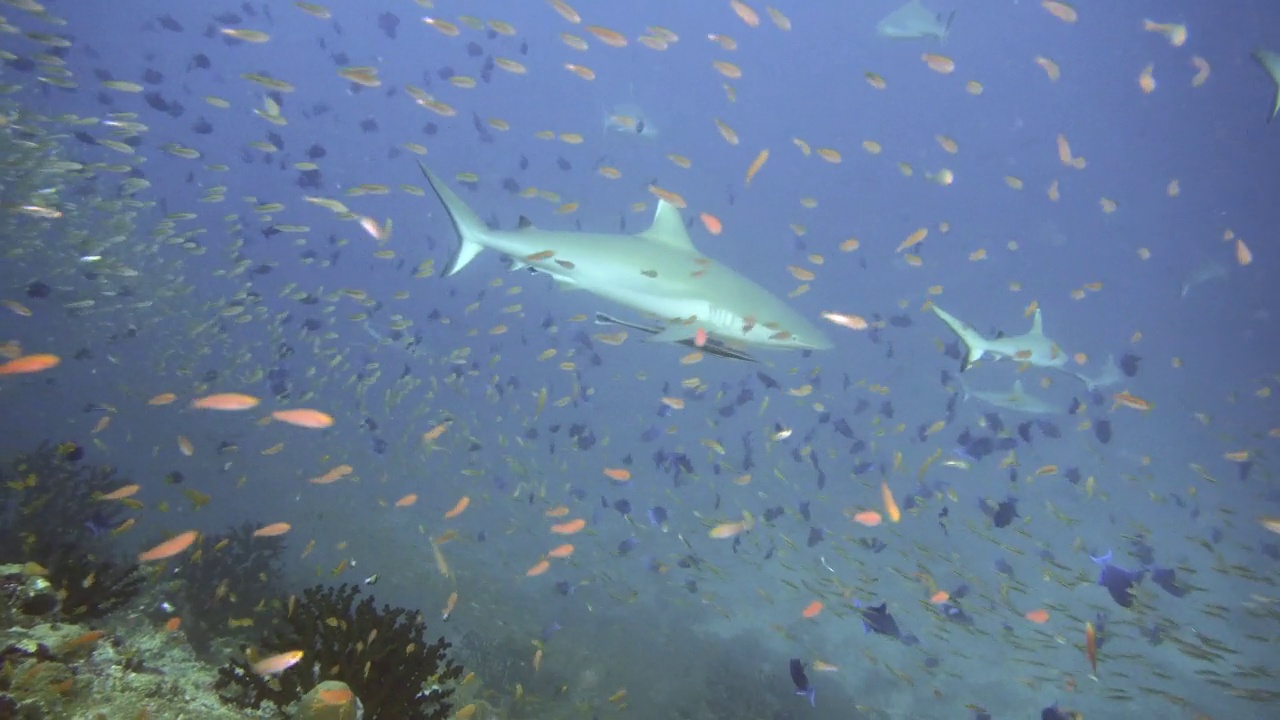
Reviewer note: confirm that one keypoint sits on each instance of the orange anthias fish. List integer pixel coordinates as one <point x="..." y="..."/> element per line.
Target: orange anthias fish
<point x="1129" y="400"/>
<point x="890" y="505"/>
<point x="170" y="547"/>
<point x="225" y="401"/>
<point x="29" y="364"/>
<point x="273" y="530"/>
<point x="277" y="663"/>
<point x="1091" y="646"/>
<point x="304" y="417"/>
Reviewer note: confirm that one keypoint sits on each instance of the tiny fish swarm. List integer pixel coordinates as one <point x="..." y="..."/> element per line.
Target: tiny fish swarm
<point x="381" y="654"/>
<point x="51" y="517"/>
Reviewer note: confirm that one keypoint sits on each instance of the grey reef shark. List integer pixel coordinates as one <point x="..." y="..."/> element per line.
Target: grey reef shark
<point x="1032" y="348"/>
<point x="693" y="299"/>
<point x="913" y="22"/>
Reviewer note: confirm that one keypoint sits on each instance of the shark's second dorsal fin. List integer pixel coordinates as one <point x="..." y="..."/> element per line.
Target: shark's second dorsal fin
<point x="524" y="223"/>
<point x="668" y="228"/>
<point x="1037" y="328"/>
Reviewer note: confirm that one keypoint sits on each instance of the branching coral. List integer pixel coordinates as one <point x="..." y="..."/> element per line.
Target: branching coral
<point x="227" y="581"/>
<point x="50" y="514"/>
<point x="381" y="654"/>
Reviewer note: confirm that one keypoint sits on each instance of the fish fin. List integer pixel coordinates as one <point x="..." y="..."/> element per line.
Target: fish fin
<point x="975" y="345"/>
<point x="1271" y="63"/>
<point x="524" y="223"/>
<point x="1037" y="325"/>
<point x="668" y="228"/>
<point x="469" y="227"/>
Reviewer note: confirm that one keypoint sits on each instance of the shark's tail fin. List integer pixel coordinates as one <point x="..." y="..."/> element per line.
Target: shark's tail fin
<point x="470" y="228"/>
<point x="974" y="347"/>
<point x="974" y="344"/>
<point x="1271" y="63"/>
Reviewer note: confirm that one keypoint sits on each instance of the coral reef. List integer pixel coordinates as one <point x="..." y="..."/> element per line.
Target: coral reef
<point x="37" y="667"/>
<point x="380" y="654"/>
<point x="229" y="579"/>
<point x="50" y="514"/>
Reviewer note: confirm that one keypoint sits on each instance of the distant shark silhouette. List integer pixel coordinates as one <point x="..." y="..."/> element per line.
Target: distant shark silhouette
<point x="1110" y="375"/>
<point x="1271" y="63"/>
<point x="1032" y="348"/>
<point x="658" y="272"/>
<point x="1203" y="274"/>
<point x="913" y="21"/>
<point x="1015" y="399"/>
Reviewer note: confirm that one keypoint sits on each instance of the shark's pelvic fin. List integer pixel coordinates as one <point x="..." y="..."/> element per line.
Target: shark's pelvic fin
<point x="668" y="228"/>
<point x="466" y="223"/>
<point x="1271" y="63"/>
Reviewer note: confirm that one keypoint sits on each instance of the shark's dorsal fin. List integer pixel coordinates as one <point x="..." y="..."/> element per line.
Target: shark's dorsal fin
<point x="1037" y="327"/>
<point x="1017" y="388"/>
<point x="668" y="228"/>
<point x="524" y="223"/>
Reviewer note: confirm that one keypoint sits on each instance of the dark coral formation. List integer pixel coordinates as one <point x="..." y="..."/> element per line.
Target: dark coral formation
<point x="50" y="514"/>
<point x="381" y="654"/>
<point x="226" y="584"/>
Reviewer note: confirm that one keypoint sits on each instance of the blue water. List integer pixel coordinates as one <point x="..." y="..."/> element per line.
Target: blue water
<point x="690" y="626"/>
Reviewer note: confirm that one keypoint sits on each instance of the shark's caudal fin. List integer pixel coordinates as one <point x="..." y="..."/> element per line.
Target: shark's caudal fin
<point x="466" y="223"/>
<point x="1271" y="63"/>
<point x="975" y="345"/>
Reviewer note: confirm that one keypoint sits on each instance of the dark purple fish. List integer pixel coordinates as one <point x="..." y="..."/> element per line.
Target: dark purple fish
<point x="1118" y="581"/>
<point x="802" y="681"/>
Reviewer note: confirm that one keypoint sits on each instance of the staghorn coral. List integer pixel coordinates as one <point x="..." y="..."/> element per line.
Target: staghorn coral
<point x="50" y="515"/>
<point x="228" y="580"/>
<point x="380" y="654"/>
